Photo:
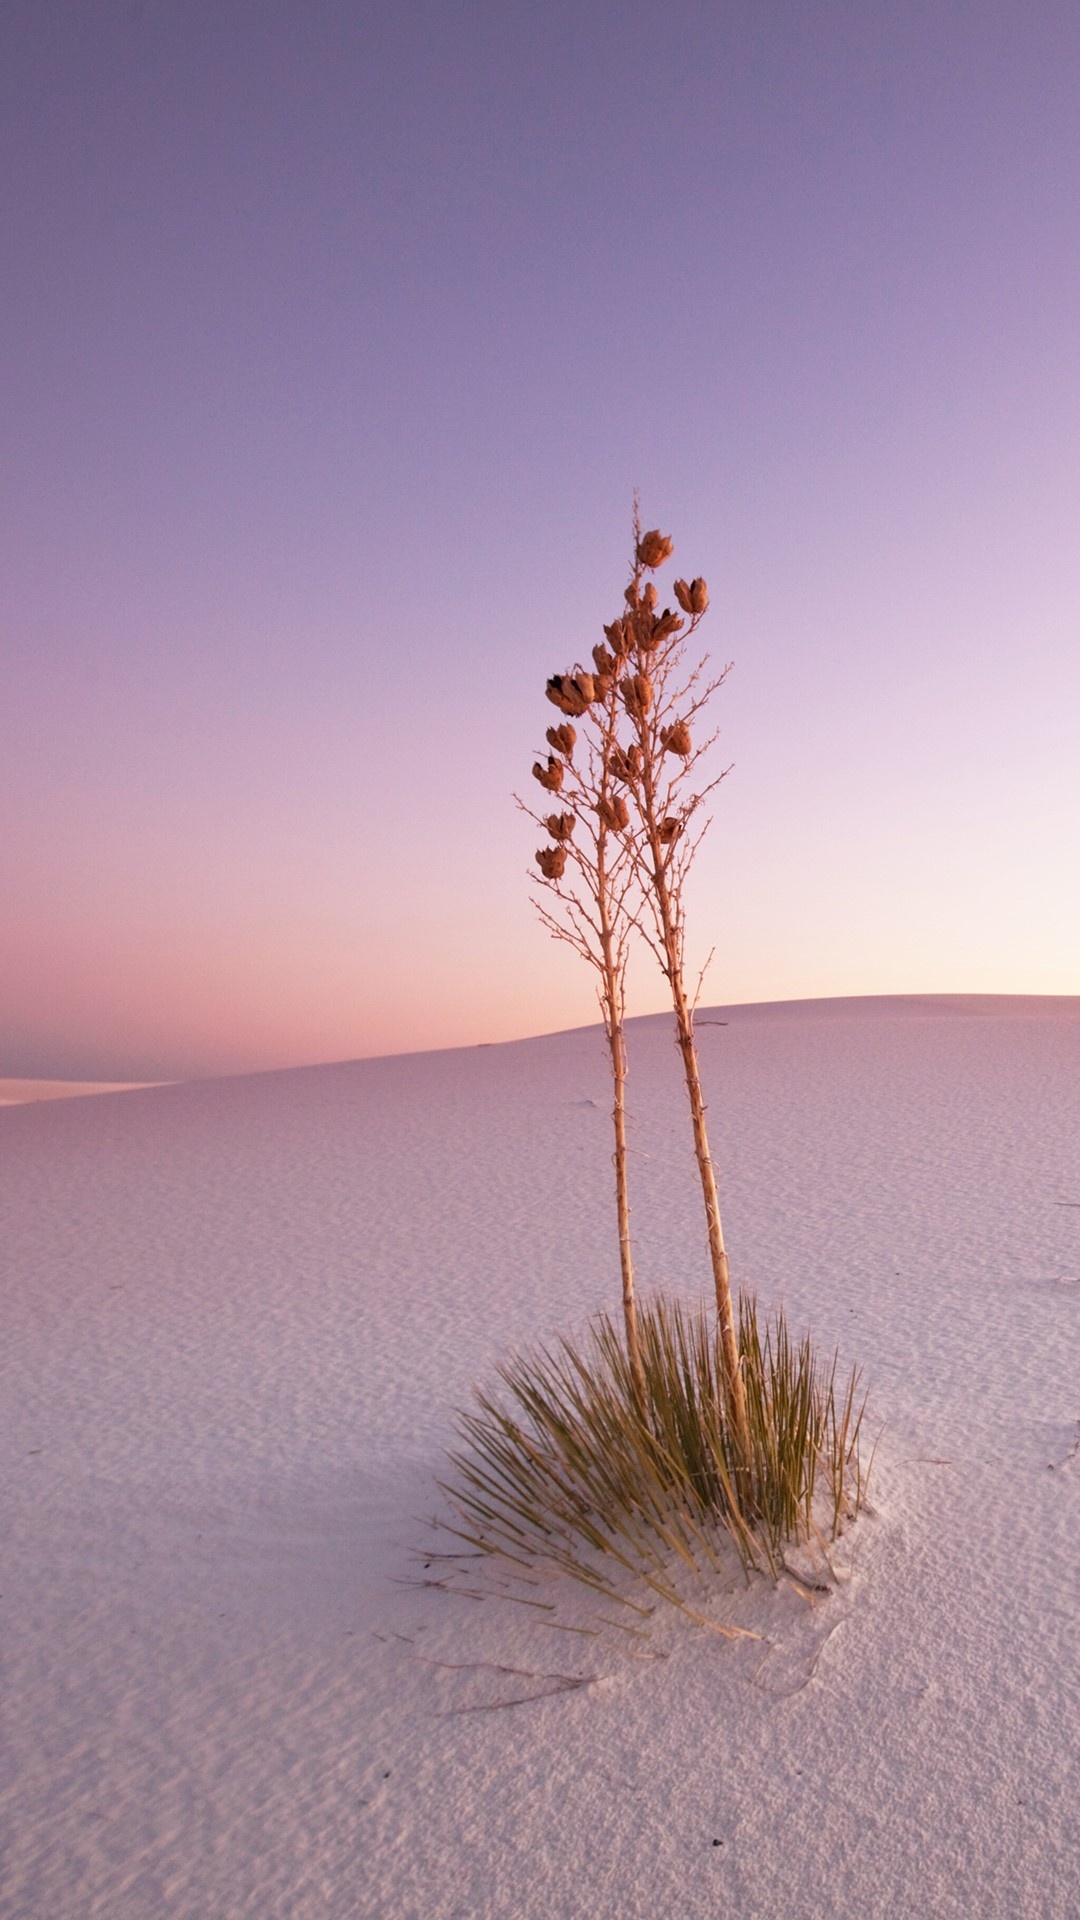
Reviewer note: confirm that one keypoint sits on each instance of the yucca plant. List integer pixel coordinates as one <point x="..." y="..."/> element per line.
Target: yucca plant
<point x="664" y="698"/>
<point x="693" y="1435"/>
<point x="630" y="792"/>
<point x="563" y="1468"/>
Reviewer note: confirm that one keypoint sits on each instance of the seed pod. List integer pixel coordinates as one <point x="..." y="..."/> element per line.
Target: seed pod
<point x="631" y="595"/>
<point x="603" y="661"/>
<point x="654" y="548"/>
<point x="617" y="637"/>
<point x="551" y="861"/>
<point x="559" y="698"/>
<point x="649" y="596"/>
<point x="602" y="684"/>
<point x="614" y="812"/>
<point x="669" y="830"/>
<point x="637" y="693"/>
<point x="676" y="739"/>
<point x="664" y="624"/>
<point x="583" y="683"/>
<point x="550" y="776"/>
<point x="560" y="825"/>
<point x="693" y="598"/>
<point x="562" y="739"/>
<point x="638" y="628"/>
<point x="564" y="693"/>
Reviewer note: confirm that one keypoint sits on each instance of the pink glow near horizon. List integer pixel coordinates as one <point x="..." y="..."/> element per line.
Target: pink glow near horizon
<point x="329" y="401"/>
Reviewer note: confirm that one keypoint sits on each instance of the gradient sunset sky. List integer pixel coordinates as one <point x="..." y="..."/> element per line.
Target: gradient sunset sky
<point x="336" y="339"/>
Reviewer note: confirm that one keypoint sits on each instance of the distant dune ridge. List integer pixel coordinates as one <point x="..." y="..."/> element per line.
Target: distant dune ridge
<point x="14" y="1093"/>
<point x="238" y="1314"/>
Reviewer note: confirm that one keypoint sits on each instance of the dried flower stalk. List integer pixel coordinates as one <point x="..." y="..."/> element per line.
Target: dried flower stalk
<point x="624" y="871"/>
<point x="661" y="698"/>
<point x="590" y="872"/>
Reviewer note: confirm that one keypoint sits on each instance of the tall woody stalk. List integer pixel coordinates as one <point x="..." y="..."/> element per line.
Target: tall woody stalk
<point x="661" y="701"/>
<point x="590" y="871"/>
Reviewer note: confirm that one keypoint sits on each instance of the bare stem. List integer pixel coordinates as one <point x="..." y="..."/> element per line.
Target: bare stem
<point x="662" y="874"/>
<point x="594" y="920"/>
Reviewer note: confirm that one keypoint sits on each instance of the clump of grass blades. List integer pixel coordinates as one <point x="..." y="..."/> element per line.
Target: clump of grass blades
<point x="567" y="1469"/>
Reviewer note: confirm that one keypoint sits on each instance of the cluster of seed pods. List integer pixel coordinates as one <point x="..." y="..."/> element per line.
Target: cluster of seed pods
<point x="622" y="661"/>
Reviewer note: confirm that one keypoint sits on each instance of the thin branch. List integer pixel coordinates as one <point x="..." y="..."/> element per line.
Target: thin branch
<point x="701" y="980"/>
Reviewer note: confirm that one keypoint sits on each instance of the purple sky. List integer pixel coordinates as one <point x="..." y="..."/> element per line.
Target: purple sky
<point x="335" y="340"/>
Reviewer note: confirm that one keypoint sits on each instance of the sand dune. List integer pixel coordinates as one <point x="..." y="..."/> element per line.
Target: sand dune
<point x="237" y="1316"/>
<point x="17" y="1093"/>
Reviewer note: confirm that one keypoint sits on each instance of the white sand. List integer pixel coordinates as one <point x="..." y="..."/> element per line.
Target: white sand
<point x="237" y="1315"/>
